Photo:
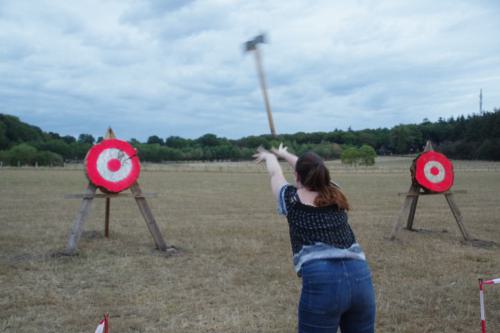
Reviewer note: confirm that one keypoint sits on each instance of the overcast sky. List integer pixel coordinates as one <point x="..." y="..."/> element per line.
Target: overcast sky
<point x="178" y="67"/>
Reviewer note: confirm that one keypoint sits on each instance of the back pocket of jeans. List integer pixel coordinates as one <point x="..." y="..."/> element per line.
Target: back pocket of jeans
<point x="321" y="294"/>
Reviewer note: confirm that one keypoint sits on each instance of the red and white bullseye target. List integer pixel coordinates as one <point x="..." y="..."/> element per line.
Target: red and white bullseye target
<point x="112" y="165"/>
<point x="434" y="171"/>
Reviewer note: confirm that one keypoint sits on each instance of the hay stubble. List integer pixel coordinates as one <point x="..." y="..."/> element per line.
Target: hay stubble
<point x="234" y="272"/>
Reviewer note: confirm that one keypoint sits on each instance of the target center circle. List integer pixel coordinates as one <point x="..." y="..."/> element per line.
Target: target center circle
<point x="114" y="164"/>
<point x="434" y="171"/>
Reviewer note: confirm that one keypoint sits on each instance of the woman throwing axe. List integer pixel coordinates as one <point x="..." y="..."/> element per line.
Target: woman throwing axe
<point x="336" y="280"/>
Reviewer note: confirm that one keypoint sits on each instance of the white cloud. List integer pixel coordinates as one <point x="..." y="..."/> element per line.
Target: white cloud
<point x="178" y="68"/>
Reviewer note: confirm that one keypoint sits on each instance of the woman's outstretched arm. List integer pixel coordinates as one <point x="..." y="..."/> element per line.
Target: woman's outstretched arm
<point x="282" y="152"/>
<point x="273" y="168"/>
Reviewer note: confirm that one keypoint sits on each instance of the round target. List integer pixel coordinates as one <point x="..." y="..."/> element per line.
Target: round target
<point x="112" y="165"/>
<point x="434" y="171"/>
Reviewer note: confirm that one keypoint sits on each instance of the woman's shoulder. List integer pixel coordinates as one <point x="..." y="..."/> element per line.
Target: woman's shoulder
<point x="288" y="194"/>
<point x="289" y="191"/>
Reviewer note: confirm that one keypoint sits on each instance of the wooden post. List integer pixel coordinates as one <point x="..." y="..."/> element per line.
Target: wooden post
<point x="413" y="199"/>
<point x="407" y="210"/>
<point x="148" y="217"/>
<point x="397" y="223"/>
<point x="109" y="135"/>
<point x="76" y="231"/>
<point x="428" y="146"/>
<point x="106" y="217"/>
<point x="458" y="216"/>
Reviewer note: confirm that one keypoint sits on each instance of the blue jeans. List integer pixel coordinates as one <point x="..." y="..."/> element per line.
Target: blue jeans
<point x="336" y="292"/>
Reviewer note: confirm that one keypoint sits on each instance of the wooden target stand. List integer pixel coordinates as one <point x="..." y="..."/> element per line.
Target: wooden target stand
<point x="409" y="206"/>
<point x="86" y="204"/>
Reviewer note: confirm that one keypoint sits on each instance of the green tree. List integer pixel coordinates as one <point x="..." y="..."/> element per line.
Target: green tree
<point x="134" y="142"/>
<point x="155" y="139"/>
<point x="368" y="137"/>
<point x="399" y="139"/>
<point x="252" y="141"/>
<point x="170" y="154"/>
<point x="192" y="153"/>
<point x="177" y="142"/>
<point x="68" y="139"/>
<point x="4" y="141"/>
<point x="149" y="152"/>
<point x="350" y="156"/>
<point x="59" y="147"/>
<point x="489" y="150"/>
<point x="79" y="150"/>
<point x="48" y="158"/>
<point x="349" y="137"/>
<point x="208" y="140"/>
<point x="367" y="155"/>
<point x="17" y="131"/>
<point x="327" y="151"/>
<point x="21" y="154"/>
<point x="86" y="138"/>
<point x="53" y="135"/>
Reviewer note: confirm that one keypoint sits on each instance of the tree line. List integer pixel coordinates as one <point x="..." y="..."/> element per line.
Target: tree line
<point x="476" y="136"/>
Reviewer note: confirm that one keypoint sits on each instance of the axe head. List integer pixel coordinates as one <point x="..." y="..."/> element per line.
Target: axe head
<point x="249" y="46"/>
<point x="252" y="44"/>
<point x="260" y="39"/>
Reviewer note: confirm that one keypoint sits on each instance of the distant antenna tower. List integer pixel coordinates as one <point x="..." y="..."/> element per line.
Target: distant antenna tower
<point x="481" y="101"/>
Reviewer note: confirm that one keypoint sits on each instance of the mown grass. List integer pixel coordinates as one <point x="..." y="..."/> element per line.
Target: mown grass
<point x="234" y="272"/>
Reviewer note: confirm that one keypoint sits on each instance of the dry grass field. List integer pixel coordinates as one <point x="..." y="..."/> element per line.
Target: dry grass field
<point x="234" y="270"/>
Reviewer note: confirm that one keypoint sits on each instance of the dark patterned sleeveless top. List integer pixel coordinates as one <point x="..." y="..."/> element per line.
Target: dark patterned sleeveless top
<point x="309" y="224"/>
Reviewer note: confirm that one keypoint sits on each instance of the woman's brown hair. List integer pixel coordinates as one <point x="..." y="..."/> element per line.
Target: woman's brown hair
<point x="314" y="175"/>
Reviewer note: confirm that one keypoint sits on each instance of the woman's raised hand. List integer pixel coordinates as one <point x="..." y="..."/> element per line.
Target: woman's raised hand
<point x="262" y="154"/>
<point x="281" y="151"/>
